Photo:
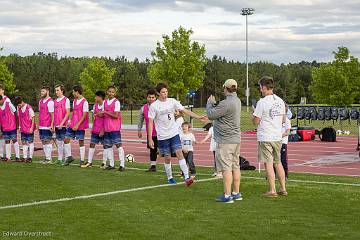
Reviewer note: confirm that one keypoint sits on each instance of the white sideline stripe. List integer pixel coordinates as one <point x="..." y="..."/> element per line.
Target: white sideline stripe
<point x="290" y="180"/>
<point x="96" y="195"/>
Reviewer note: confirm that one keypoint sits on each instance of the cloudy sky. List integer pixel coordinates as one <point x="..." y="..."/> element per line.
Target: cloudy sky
<point x="280" y="31"/>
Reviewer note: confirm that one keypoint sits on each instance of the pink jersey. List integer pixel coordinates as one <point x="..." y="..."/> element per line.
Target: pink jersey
<point x="59" y="111"/>
<point x="25" y="120"/>
<point x="98" y="124"/>
<point x="111" y="124"/>
<point x="7" y="119"/>
<point x="44" y="114"/>
<point x="146" y="117"/>
<point x="77" y="114"/>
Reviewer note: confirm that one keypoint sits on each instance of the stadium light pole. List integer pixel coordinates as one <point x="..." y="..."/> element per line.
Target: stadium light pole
<point x="246" y="12"/>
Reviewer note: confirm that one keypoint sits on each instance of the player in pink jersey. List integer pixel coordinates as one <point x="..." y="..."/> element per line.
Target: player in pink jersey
<point x="46" y="122"/>
<point x="2" y="141"/>
<point x="112" y="127"/>
<point x="97" y="132"/>
<point x="61" y="116"/>
<point x="143" y="116"/>
<point x="8" y="121"/>
<point x="27" y="127"/>
<point x="79" y="121"/>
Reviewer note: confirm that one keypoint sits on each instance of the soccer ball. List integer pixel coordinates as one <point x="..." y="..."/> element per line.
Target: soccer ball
<point x="130" y="158"/>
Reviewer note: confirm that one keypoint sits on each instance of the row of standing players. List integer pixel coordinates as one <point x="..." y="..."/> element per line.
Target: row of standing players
<point x="55" y="116"/>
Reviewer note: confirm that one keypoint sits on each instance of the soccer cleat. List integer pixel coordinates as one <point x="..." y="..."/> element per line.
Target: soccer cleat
<point x="171" y="181"/>
<point x="224" y="199"/>
<point x="3" y="159"/>
<point x="18" y="160"/>
<point x="68" y="161"/>
<point x="121" y="169"/>
<point x="237" y="197"/>
<point x="22" y="160"/>
<point x="87" y="165"/>
<point x="151" y="169"/>
<point x="81" y="163"/>
<point x="29" y="160"/>
<point x="102" y="165"/>
<point x="189" y="181"/>
<point x="109" y="168"/>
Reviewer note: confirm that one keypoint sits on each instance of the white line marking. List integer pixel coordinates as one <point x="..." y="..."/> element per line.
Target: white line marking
<point x="96" y="195"/>
<point x="290" y="180"/>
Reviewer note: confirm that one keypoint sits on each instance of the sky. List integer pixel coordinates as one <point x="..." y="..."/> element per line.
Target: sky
<point x="280" y="31"/>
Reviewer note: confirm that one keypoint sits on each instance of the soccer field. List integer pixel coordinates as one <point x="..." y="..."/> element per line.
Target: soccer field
<point x="74" y="203"/>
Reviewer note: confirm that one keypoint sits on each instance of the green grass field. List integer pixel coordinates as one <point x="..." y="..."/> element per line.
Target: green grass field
<point x="318" y="206"/>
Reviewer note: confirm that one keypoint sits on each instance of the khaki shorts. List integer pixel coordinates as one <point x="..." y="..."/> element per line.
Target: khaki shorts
<point x="227" y="157"/>
<point x="269" y="152"/>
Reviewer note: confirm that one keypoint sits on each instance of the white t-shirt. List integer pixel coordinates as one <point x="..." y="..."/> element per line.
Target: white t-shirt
<point x="31" y="111"/>
<point x="163" y="114"/>
<point x="117" y="104"/>
<point x="212" y="140"/>
<point x="187" y="141"/>
<point x="271" y="110"/>
<point x="67" y="102"/>
<point x="50" y="107"/>
<point x="85" y="106"/>
<point x="285" y="126"/>
<point x="179" y="121"/>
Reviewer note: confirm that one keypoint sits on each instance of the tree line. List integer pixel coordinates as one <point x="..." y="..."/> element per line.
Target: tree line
<point x="131" y="77"/>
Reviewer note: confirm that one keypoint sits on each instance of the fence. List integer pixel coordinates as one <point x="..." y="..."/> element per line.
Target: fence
<point x="344" y="121"/>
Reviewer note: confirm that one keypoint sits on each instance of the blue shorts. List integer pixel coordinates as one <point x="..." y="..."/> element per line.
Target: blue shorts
<point x="78" y="134"/>
<point x="112" y="138"/>
<point x="10" y="135"/>
<point x="27" y="137"/>
<point x="96" y="139"/>
<point x="60" y="133"/>
<point x="45" y="134"/>
<point x="168" y="146"/>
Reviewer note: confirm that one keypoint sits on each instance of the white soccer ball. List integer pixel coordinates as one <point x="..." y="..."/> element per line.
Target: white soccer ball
<point x="347" y="132"/>
<point x="339" y="132"/>
<point x="130" y="158"/>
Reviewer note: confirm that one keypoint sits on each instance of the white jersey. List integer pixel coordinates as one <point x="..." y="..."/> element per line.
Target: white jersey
<point x="179" y="121"/>
<point x="286" y="126"/>
<point x="163" y="113"/>
<point x="187" y="141"/>
<point x="212" y="140"/>
<point x="271" y="111"/>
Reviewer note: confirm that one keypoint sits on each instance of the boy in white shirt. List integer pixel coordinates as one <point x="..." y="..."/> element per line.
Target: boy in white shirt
<point x="187" y="139"/>
<point x="286" y="127"/>
<point x="212" y="149"/>
<point x="161" y="114"/>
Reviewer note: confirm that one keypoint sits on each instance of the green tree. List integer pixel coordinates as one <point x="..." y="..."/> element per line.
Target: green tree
<point x="179" y="62"/>
<point x="337" y="82"/>
<point x="96" y="76"/>
<point x="7" y="79"/>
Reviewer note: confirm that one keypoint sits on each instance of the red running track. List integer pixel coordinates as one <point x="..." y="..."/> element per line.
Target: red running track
<point x="300" y="153"/>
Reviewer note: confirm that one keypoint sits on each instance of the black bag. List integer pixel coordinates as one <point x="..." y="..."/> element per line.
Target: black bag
<point x="354" y="114"/>
<point x="301" y="113"/>
<point x="307" y="113"/>
<point x="328" y="113"/>
<point x="328" y="134"/>
<point x="321" y="114"/>
<point x="313" y="113"/>
<point x="344" y="113"/>
<point x="334" y="113"/>
<point x="245" y="165"/>
<point x="294" y="137"/>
